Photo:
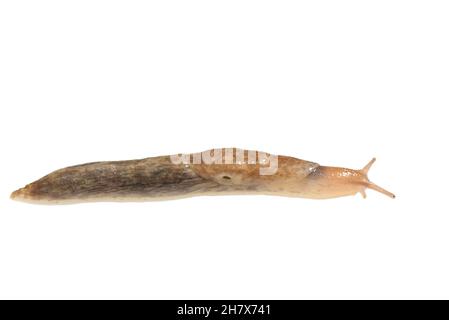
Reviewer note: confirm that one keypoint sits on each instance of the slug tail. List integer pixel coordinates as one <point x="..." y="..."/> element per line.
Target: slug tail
<point x="16" y="194"/>
<point x="371" y="185"/>
<point x="24" y="194"/>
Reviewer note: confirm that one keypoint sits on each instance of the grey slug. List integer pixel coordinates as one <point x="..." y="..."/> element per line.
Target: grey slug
<point x="212" y="172"/>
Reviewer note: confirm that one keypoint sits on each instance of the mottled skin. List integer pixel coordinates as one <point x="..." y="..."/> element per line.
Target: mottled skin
<point x="158" y="178"/>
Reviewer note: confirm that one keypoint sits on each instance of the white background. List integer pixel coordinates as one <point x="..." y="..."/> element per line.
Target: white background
<point x="335" y="82"/>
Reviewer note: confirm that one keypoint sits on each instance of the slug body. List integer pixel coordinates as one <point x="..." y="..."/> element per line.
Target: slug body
<point x="232" y="171"/>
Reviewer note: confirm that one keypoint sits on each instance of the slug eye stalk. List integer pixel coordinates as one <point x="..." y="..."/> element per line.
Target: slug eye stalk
<point x="371" y="185"/>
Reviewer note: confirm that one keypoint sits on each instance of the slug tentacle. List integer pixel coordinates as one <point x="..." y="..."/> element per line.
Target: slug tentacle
<point x="371" y="185"/>
<point x="212" y="172"/>
<point x="368" y="166"/>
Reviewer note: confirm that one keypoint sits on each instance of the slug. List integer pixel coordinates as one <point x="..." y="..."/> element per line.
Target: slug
<point x="212" y="172"/>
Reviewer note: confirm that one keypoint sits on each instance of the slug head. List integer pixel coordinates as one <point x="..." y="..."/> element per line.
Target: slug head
<point x="333" y="182"/>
